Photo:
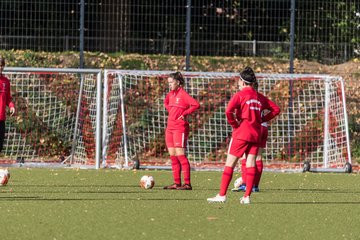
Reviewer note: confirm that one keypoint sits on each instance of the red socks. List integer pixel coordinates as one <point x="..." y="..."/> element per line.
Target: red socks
<point x="176" y="169"/>
<point x="250" y="176"/>
<point x="185" y="166"/>
<point x="225" y="180"/>
<point x="259" y="167"/>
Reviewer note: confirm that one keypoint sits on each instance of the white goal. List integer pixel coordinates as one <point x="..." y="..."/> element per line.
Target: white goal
<point x="58" y="116"/>
<point x="311" y="130"/>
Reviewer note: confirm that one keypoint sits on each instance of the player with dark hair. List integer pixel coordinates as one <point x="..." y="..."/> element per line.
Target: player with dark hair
<point x="243" y="113"/>
<point x="274" y="110"/>
<point x="179" y="105"/>
<point x="5" y="100"/>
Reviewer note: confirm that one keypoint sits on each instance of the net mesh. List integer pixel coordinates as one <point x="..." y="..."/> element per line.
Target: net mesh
<point x="43" y="127"/>
<point x="312" y="118"/>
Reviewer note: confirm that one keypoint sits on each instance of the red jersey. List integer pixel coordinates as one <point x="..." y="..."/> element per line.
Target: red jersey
<point x="5" y="97"/>
<point x="243" y="114"/>
<point x="179" y="103"/>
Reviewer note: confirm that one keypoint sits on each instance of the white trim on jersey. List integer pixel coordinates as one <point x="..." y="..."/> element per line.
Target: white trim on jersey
<point x="228" y="152"/>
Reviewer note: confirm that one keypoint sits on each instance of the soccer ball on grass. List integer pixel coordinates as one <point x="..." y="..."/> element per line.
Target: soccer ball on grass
<point x="4" y="176"/>
<point x="147" y="182"/>
<point x="238" y="182"/>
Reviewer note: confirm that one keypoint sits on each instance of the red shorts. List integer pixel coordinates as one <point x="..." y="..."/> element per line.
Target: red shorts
<point x="238" y="147"/>
<point x="176" y="139"/>
<point x="264" y="137"/>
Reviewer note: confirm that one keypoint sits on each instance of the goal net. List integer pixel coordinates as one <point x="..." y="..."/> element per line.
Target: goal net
<point x="312" y="126"/>
<point x="56" y="116"/>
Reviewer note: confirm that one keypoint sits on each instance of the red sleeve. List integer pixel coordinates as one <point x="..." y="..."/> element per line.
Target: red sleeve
<point x="166" y="102"/>
<point x="273" y="109"/>
<point x="193" y="105"/>
<point x="230" y="111"/>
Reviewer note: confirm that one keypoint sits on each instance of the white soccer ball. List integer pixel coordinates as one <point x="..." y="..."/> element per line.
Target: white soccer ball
<point x="238" y="182"/>
<point x="4" y="176"/>
<point x="147" y="182"/>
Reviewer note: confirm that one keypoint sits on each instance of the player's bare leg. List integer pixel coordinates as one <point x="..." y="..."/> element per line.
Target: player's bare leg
<point x="259" y="166"/>
<point x="251" y="171"/>
<point x="230" y="164"/>
<point x="242" y="166"/>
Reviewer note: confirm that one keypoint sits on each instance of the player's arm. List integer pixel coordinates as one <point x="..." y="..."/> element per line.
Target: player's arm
<point x="193" y="105"/>
<point x="166" y="102"/>
<point x="273" y="110"/>
<point x="230" y="111"/>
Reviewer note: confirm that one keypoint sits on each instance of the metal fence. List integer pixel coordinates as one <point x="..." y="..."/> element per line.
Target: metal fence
<point x="325" y="31"/>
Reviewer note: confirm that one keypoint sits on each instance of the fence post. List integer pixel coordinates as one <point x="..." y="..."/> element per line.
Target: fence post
<point x="292" y="35"/>
<point x="81" y="47"/>
<point x="188" y="33"/>
<point x="291" y="69"/>
<point x="254" y="47"/>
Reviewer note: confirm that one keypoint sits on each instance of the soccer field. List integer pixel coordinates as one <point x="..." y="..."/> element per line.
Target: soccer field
<point x="109" y="204"/>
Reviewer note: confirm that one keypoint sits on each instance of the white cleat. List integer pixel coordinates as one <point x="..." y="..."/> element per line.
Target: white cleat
<point x="245" y="200"/>
<point x="217" y="199"/>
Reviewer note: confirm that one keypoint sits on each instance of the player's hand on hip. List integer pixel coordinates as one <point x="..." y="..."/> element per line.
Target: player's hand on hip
<point x="12" y="111"/>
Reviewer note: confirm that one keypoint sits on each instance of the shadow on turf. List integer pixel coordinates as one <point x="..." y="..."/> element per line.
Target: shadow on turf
<point x="83" y="189"/>
<point x="310" y="190"/>
<point x="37" y="198"/>
<point x="102" y="189"/>
<point x="64" y="189"/>
<point x="158" y="186"/>
<point x="75" y="185"/>
<point x="88" y="192"/>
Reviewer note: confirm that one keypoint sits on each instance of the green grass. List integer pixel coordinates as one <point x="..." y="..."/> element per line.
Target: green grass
<point x="109" y="204"/>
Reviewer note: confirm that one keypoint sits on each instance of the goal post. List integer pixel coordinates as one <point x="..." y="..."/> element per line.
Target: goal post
<point x="318" y="133"/>
<point x="58" y="117"/>
<point x="335" y="108"/>
<point x="312" y="127"/>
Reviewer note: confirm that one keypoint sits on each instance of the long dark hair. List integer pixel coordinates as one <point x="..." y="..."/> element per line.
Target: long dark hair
<point x="178" y="76"/>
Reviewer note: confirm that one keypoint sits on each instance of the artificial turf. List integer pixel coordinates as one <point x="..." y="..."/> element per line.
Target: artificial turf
<point x="40" y="203"/>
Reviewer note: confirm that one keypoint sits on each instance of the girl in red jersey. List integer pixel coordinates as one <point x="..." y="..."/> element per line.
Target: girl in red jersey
<point x="179" y="104"/>
<point x="5" y="100"/>
<point x="243" y="113"/>
<point x="269" y="107"/>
